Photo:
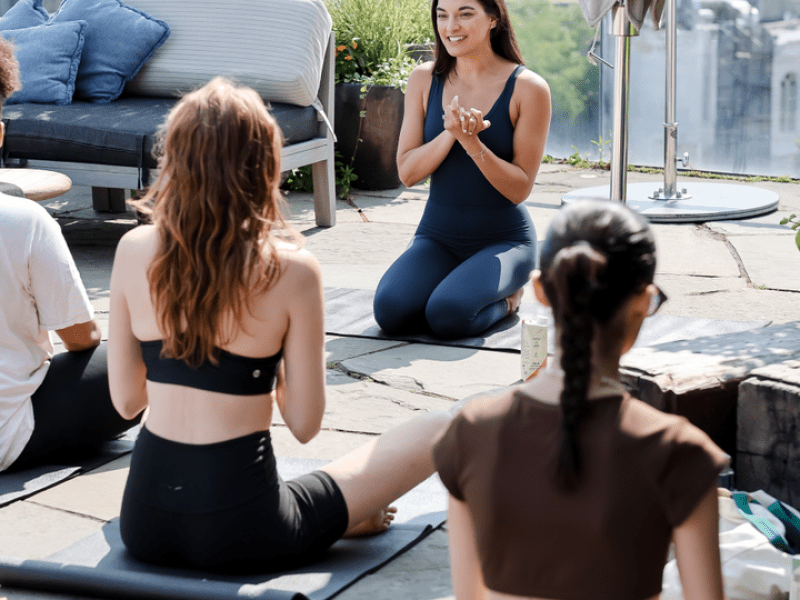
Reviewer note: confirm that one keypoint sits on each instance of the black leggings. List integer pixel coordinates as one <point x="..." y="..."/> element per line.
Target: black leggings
<point x="222" y="507"/>
<point x="72" y="410"/>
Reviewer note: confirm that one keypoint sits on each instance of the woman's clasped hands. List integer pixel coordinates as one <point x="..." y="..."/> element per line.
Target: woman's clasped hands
<point x="463" y="122"/>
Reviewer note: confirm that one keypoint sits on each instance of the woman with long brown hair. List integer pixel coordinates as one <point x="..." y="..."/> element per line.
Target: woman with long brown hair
<point x="475" y="122"/>
<point x="566" y="486"/>
<point x="216" y="316"/>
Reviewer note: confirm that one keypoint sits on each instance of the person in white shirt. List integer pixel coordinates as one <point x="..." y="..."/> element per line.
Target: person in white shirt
<point x="50" y="406"/>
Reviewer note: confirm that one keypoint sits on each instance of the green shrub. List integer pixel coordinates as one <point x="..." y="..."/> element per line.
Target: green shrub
<point x="795" y="223"/>
<point x="370" y="33"/>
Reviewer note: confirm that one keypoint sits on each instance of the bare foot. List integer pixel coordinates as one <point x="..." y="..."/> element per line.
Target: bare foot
<point x="514" y="300"/>
<point x="377" y="523"/>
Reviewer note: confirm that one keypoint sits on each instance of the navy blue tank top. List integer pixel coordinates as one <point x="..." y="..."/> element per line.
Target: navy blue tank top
<point x="464" y="210"/>
<point x="233" y="374"/>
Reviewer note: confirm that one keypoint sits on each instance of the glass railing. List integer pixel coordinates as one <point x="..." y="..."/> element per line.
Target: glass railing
<point x="738" y="67"/>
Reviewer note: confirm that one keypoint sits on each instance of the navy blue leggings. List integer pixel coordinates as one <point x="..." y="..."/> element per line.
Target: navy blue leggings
<point x="457" y="296"/>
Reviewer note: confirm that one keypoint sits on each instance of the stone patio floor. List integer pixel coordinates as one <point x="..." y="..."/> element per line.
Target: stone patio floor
<point x="735" y="270"/>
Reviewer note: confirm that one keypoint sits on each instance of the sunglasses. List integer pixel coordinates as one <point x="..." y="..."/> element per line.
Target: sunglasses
<point x="656" y="301"/>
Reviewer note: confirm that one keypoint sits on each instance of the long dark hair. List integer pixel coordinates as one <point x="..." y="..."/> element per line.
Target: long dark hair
<point x="596" y="255"/>
<point x="504" y="43"/>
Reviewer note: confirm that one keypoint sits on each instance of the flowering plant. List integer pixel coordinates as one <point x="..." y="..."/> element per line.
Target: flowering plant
<point x="371" y="38"/>
<point x="349" y="60"/>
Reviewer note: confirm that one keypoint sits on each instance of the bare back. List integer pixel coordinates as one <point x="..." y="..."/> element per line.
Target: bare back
<point x="287" y="317"/>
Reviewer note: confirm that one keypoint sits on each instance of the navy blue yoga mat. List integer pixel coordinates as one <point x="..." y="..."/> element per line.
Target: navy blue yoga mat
<point x="16" y="485"/>
<point x="100" y="566"/>
<point x="348" y="312"/>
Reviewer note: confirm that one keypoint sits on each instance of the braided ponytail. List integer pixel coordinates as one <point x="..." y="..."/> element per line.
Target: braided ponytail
<point x="596" y="255"/>
<point x="575" y="270"/>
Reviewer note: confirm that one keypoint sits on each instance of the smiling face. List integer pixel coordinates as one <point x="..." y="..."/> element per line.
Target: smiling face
<point x="464" y="26"/>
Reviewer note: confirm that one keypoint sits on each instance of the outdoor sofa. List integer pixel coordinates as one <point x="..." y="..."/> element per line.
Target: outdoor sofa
<point x="282" y="48"/>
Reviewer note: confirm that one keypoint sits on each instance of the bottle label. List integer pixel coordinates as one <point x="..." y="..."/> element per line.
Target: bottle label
<point x="533" y="348"/>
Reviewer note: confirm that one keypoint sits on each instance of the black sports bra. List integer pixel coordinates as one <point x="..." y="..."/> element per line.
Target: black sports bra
<point x="233" y="374"/>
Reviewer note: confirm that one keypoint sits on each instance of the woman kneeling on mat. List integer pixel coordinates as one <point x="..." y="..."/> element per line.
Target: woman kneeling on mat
<point x="216" y="314"/>
<point x="475" y="246"/>
<point x="566" y="486"/>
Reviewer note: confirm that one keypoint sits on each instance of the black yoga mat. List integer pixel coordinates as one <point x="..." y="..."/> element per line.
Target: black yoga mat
<point x="99" y="565"/>
<point x="348" y="312"/>
<point x="16" y="485"/>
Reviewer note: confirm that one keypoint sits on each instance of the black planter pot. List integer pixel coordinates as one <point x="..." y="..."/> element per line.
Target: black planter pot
<point x="369" y="143"/>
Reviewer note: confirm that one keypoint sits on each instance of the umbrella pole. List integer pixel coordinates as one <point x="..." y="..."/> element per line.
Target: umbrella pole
<point x="623" y="30"/>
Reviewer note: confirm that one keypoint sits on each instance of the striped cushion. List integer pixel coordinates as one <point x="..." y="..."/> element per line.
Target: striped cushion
<point x="276" y="47"/>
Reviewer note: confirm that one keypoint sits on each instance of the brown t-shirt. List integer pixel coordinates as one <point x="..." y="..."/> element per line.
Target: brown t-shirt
<point x="643" y="473"/>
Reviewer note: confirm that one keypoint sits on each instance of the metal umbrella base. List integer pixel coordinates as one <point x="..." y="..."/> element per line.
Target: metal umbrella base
<point x="701" y="202"/>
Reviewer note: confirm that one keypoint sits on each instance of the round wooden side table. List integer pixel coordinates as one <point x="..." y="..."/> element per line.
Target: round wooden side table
<point x="34" y="184"/>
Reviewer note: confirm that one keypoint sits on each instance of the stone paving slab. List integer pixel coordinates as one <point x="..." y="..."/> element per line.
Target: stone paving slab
<point x="34" y="532"/>
<point x="772" y="261"/>
<point x="339" y="348"/>
<point x="359" y="243"/>
<point x="696" y="268"/>
<point x="442" y="370"/>
<point x="96" y="494"/>
<point x="407" y="208"/>
<point x="422" y="573"/>
<point x="689" y="250"/>
<point x="706" y="297"/>
<point x="358" y="406"/>
<point x="765" y="224"/>
<point x="327" y="444"/>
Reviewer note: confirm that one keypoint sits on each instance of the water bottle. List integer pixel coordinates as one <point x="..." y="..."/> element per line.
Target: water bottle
<point x="725" y="479"/>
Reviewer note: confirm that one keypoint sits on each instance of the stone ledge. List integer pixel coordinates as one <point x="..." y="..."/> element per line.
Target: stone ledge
<point x="700" y="378"/>
<point x="768" y="433"/>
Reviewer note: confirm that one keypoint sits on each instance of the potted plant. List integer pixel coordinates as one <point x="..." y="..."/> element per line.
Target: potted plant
<point x="373" y="62"/>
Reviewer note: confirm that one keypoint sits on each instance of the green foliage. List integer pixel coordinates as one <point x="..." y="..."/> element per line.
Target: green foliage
<point x="601" y="148"/>
<point x="300" y="179"/>
<point x="371" y="32"/>
<point x="554" y="39"/>
<point x="795" y="223"/>
<point x="393" y="72"/>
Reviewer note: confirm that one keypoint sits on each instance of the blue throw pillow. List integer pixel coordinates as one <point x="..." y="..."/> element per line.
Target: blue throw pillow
<point x="48" y="58"/>
<point x="25" y="13"/>
<point x="119" y="40"/>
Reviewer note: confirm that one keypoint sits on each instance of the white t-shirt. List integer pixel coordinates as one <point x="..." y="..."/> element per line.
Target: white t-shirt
<point x="40" y="291"/>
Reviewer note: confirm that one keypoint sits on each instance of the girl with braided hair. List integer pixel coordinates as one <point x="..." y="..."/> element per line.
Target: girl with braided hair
<point x="566" y="487"/>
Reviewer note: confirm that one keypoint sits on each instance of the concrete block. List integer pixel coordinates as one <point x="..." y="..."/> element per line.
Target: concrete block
<point x="699" y="378"/>
<point x="768" y="437"/>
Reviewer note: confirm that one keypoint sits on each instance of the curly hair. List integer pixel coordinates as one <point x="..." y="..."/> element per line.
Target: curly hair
<point x="9" y="70"/>
<point x="216" y="206"/>
<point x="596" y="256"/>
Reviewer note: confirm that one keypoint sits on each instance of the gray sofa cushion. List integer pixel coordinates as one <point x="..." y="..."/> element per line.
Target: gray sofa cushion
<point x="121" y="133"/>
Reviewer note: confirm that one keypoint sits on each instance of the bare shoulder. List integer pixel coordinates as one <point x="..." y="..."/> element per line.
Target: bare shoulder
<point x="298" y="265"/>
<point x="137" y="242"/>
<point x="532" y="85"/>
<point x="420" y="77"/>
